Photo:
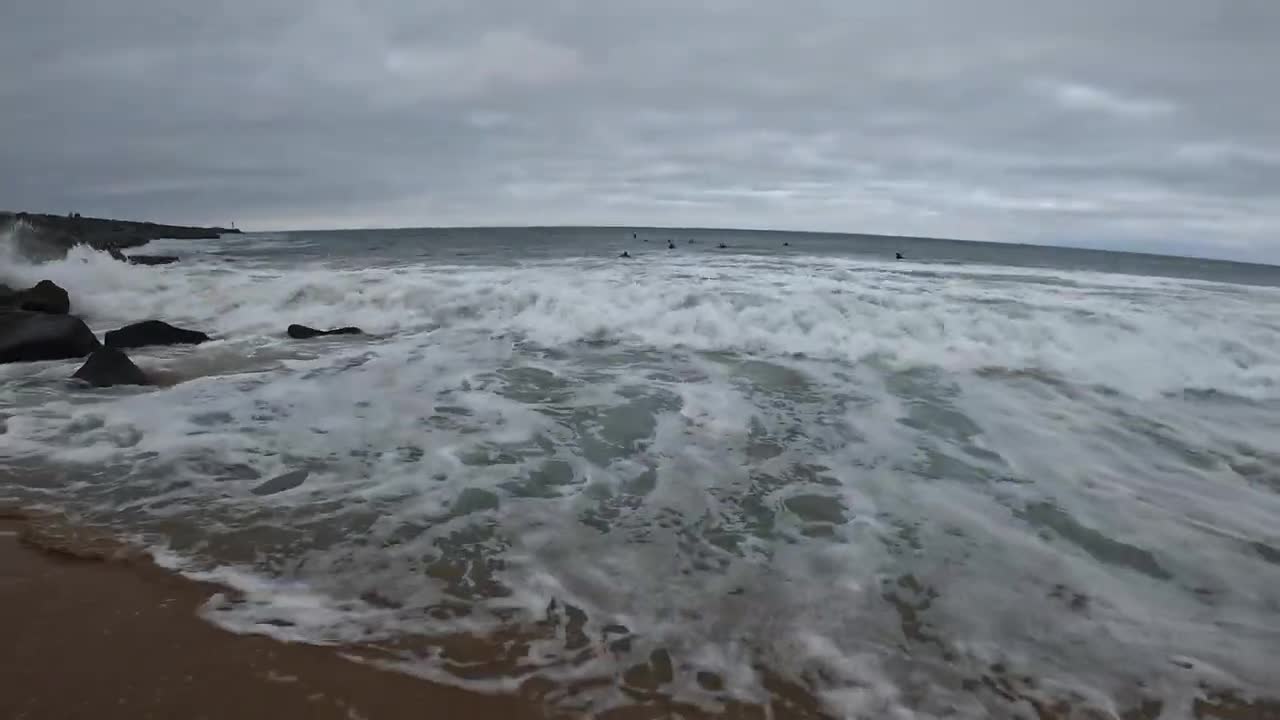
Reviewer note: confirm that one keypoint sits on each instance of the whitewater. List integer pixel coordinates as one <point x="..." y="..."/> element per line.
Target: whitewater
<point x="808" y="475"/>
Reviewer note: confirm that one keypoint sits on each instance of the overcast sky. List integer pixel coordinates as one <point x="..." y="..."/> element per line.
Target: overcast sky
<point x="1117" y="123"/>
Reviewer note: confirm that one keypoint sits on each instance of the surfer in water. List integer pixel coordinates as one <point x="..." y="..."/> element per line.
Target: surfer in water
<point x="898" y="256"/>
<point x="625" y="254"/>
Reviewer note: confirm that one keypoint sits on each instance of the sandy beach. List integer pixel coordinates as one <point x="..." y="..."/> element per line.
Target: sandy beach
<point x="90" y="635"/>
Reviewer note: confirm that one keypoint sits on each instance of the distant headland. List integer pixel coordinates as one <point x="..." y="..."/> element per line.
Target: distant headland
<point x="61" y="232"/>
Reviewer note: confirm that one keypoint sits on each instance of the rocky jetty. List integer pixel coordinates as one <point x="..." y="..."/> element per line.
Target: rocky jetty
<point x="42" y="236"/>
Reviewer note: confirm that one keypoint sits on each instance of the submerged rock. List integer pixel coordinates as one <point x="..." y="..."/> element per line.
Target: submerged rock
<point x="152" y="259"/>
<point x="45" y="297"/>
<point x="280" y="483"/>
<point x="108" y="366"/>
<point x="302" y="332"/>
<point x="27" y="336"/>
<point x="153" y="332"/>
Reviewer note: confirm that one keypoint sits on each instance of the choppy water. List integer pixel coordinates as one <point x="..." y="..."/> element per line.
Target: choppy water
<point x="806" y="474"/>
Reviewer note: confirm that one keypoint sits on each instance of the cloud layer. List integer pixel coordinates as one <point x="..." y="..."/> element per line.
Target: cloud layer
<point x="1141" y="125"/>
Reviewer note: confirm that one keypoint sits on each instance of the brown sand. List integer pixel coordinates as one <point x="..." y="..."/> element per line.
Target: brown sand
<point x="89" y="629"/>
<point x="84" y="634"/>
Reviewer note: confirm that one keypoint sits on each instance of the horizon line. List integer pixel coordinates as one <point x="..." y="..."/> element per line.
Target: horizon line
<point x="839" y="233"/>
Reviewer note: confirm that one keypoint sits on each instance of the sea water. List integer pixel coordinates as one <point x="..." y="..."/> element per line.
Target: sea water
<point x="792" y="471"/>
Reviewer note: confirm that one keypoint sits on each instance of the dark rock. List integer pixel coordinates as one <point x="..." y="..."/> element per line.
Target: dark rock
<point x="116" y="241"/>
<point x="45" y="297"/>
<point x="30" y="336"/>
<point x="280" y="483"/>
<point x="108" y="366"/>
<point x="302" y="332"/>
<point x="153" y="332"/>
<point x="153" y="259"/>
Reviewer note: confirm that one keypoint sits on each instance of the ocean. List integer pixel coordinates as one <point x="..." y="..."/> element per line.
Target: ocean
<point x="792" y="472"/>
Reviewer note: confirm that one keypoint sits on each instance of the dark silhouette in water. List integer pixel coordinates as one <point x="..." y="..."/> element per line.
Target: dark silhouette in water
<point x="280" y="483"/>
<point x="302" y="332"/>
<point x="151" y="259"/>
<point x="27" y="336"/>
<point x="898" y="256"/>
<point x="625" y="254"/>
<point x="45" y="296"/>
<point x="633" y="236"/>
<point x="671" y="245"/>
<point x="722" y="246"/>
<point x="786" y="244"/>
<point x="108" y="366"/>
<point x="152" y="332"/>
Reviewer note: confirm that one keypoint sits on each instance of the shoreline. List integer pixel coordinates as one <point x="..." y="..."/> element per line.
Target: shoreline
<point x="94" y="628"/>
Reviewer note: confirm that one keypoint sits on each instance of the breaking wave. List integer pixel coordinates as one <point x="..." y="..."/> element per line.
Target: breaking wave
<point x="700" y="476"/>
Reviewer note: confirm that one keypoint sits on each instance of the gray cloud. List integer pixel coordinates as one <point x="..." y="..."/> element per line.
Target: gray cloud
<point x="1142" y="125"/>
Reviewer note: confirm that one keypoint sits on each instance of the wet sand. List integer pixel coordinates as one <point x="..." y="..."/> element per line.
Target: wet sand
<point x="91" y="632"/>
<point x="93" y="629"/>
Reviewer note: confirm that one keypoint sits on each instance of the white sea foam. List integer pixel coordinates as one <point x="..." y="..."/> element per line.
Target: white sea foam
<point x="745" y="461"/>
<point x="1140" y="335"/>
